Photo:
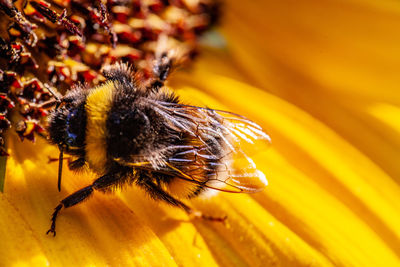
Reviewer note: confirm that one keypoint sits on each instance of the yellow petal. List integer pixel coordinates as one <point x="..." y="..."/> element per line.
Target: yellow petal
<point x="325" y="190"/>
<point x="345" y="47"/>
<point x="333" y="198"/>
<point x="387" y="114"/>
<point x="101" y="231"/>
<point x="18" y="244"/>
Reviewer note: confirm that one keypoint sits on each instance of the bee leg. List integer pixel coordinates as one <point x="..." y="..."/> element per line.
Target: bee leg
<point x="67" y="202"/>
<point x="198" y="214"/>
<point x="161" y="70"/>
<point x="76" y="164"/>
<point x="99" y="184"/>
<point x="159" y="194"/>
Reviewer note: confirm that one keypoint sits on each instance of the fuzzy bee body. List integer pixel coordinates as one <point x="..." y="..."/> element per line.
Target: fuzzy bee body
<point x="129" y="133"/>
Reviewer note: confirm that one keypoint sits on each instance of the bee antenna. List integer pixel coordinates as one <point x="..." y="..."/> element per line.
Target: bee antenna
<point x="60" y="165"/>
<point x="50" y="103"/>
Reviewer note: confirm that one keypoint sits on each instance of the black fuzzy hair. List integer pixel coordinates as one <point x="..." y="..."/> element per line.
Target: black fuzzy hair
<point x="69" y="121"/>
<point x="120" y="72"/>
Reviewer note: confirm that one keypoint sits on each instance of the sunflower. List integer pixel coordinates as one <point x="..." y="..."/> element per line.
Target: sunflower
<point x="321" y="78"/>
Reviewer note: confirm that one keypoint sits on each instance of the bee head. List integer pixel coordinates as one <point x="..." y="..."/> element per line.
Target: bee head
<point x="67" y="124"/>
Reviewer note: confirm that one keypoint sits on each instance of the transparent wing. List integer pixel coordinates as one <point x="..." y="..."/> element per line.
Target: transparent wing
<point x="226" y="174"/>
<point x="217" y="148"/>
<point x="216" y="127"/>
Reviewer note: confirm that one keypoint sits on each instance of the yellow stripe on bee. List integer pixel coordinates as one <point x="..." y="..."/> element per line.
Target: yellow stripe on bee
<point x="98" y="104"/>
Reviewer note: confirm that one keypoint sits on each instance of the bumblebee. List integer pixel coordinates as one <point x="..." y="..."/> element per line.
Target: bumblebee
<point x="131" y="133"/>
